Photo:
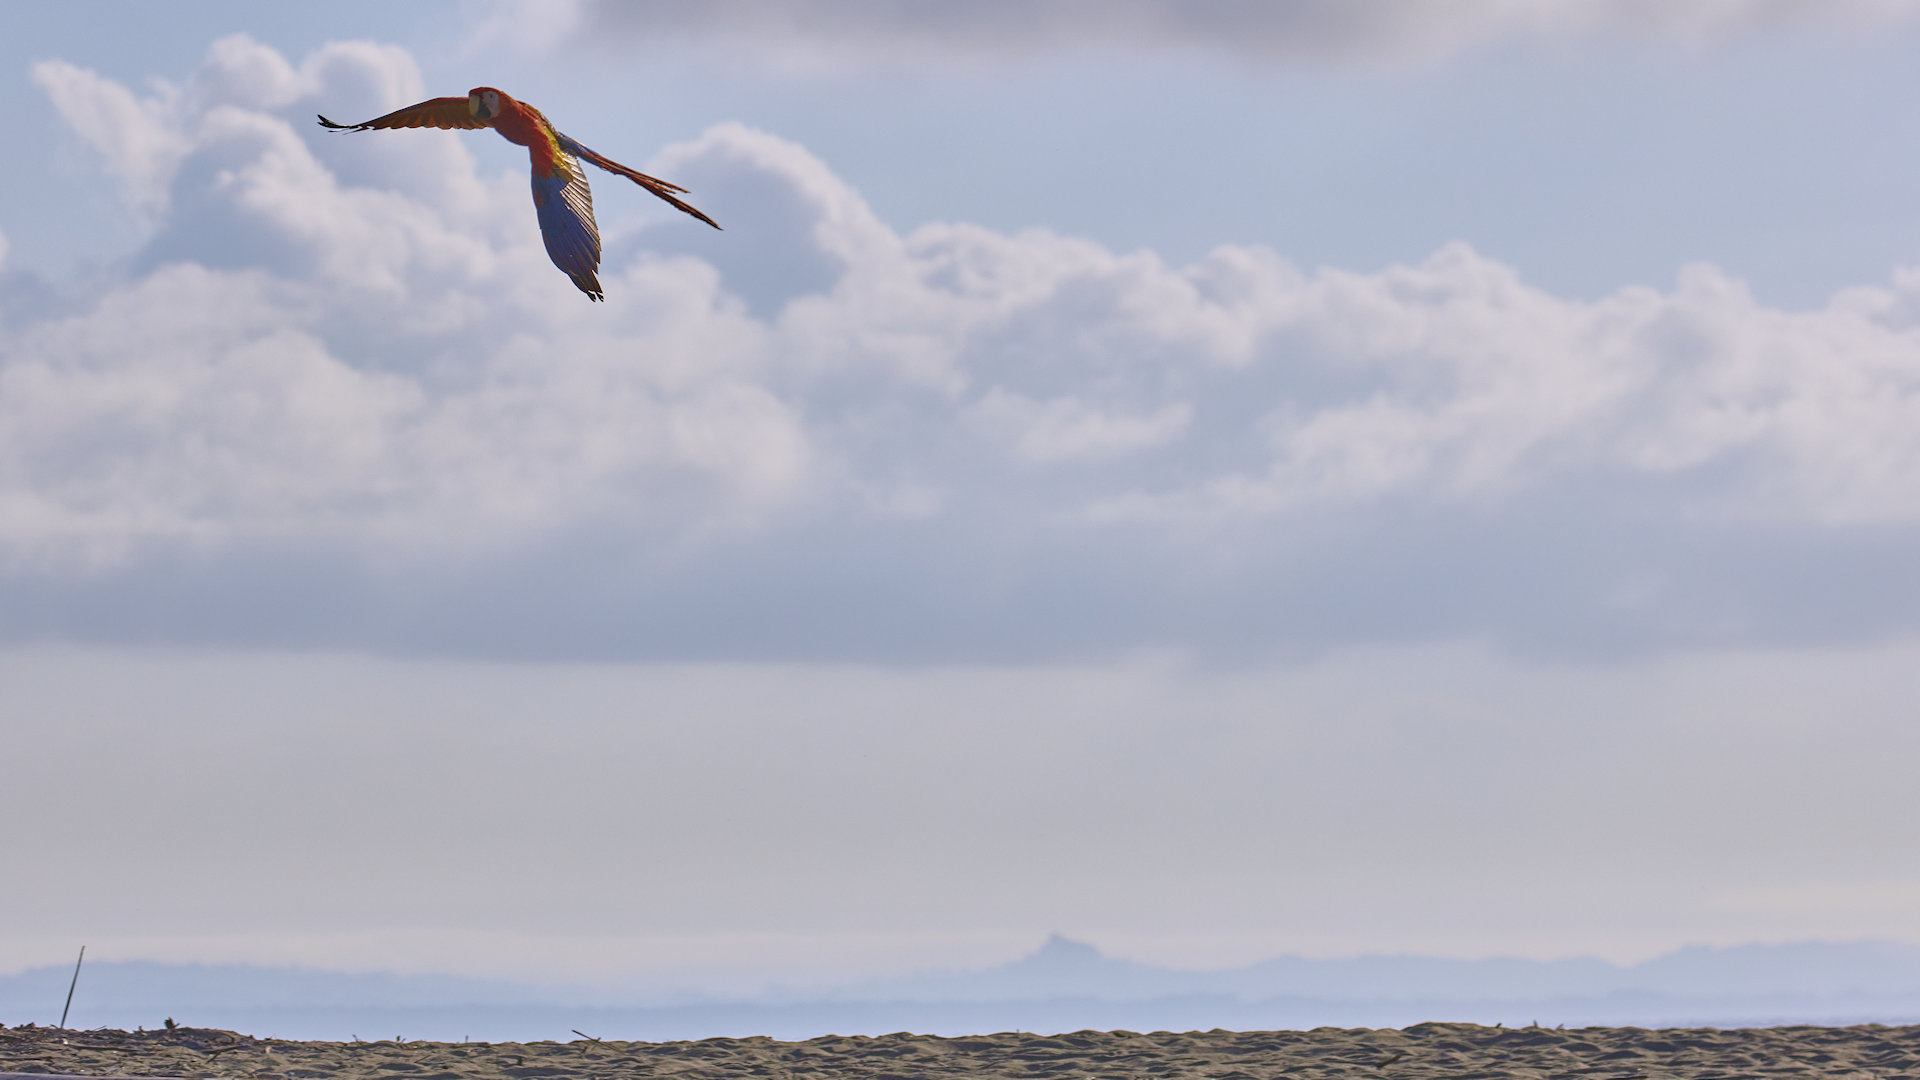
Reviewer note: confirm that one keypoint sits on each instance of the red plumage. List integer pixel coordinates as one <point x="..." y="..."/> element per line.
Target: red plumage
<point x="562" y="199"/>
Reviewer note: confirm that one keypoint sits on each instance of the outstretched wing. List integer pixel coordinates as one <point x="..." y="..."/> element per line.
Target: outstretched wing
<point x="564" y="204"/>
<point x="441" y="112"/>
<point x="658" y="187"/>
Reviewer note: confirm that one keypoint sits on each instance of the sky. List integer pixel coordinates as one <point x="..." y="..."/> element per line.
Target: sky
<point x="1211" y="479"/>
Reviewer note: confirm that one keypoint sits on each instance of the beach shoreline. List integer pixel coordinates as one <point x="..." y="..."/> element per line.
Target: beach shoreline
<point x="1419" y="1051"/>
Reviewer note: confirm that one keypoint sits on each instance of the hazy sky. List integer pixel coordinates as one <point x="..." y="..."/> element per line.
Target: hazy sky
<point x="1210" y="478"/>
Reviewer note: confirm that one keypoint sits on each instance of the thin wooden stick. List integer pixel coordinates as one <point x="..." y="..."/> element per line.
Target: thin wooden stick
<point x="71" y="985"/>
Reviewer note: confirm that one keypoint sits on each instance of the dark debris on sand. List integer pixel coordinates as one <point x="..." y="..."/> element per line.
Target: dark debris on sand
<point x="1425" y="1050"/>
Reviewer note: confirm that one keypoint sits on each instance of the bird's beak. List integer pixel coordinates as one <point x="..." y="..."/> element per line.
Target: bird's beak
<point x="478" y="108"/>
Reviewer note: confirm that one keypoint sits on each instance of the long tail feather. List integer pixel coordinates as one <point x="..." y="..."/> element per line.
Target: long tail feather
<point x="659" y="187"/>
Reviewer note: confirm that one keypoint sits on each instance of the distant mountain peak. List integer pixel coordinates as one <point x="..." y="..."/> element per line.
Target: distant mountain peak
<point x="1062" y="985"/>
<point x="1060" y="951"/>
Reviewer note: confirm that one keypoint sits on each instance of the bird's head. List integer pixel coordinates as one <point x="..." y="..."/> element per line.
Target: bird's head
<point x="484" y="102"/>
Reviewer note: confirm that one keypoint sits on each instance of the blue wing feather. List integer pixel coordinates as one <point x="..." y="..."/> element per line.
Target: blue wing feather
<point x="564" y="204"/>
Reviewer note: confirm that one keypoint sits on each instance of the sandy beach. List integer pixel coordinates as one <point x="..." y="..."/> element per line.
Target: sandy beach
<point x="1424" y="1050"/>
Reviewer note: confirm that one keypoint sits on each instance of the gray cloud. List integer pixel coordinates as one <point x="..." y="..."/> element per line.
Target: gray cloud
<point x="342" y="400"/>
<point x="835" y="33"/>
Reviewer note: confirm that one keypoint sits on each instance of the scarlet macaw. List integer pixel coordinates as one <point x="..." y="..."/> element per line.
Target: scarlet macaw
<point x="561" y="197"/>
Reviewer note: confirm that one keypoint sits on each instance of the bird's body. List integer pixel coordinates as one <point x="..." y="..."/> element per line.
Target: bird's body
<point x="561" y="197"/>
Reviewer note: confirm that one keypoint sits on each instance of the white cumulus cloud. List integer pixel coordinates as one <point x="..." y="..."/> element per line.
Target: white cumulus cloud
<point x="1066" y="428"/>
<point x="354" y="348"/>
<point x="837" y="33"/>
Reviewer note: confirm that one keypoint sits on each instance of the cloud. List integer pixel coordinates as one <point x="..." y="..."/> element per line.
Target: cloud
<point x="1068" y="428"/>
<point x="208" y="400"/>
<point x="135" y="137"/>
<point x="833" y="34"/>
<point x="342" y="398"/>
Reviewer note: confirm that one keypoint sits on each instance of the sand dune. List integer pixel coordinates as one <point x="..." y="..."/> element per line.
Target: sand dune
<point x="1424" y="1050"/>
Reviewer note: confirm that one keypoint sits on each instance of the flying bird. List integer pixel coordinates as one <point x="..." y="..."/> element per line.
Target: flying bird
<point x="561" y="197"/>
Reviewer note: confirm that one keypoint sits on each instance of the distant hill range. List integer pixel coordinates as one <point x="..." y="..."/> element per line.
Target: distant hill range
<point x="1063" y="986"/>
